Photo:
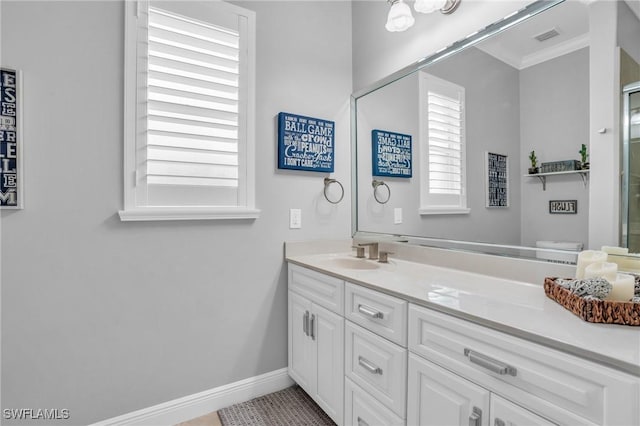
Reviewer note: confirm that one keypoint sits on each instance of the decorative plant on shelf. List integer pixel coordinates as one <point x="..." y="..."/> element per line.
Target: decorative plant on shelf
<point x="584" y="164"/>
<point x="534" y="163"/>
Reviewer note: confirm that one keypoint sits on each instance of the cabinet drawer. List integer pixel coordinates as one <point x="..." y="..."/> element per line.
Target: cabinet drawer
<point x="361" y="409"/>
<point x="377" y="365"/>
<point x="534" y="376"/>
<point x="319" y="288"/>
<point x="384" y="315"/>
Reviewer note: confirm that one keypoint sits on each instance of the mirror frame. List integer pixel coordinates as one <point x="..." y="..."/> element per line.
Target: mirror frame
<point x="471" y="40"/>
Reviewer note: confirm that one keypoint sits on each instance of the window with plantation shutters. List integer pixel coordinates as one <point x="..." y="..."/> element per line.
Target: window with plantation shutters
<point x="442" y="146"/>
<point x="189" y="140"/>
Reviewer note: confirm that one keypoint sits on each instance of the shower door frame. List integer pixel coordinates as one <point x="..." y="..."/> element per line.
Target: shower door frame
<point x="627" y="91"/>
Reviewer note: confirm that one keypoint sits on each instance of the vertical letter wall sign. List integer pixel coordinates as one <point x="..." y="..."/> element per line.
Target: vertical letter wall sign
<point x="497" y="180"/>
<point x="10" y="148"/>
<point x="390" y="154"/>
<point x="305" y="143"/>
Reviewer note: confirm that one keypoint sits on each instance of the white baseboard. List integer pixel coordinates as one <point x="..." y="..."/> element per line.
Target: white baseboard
<point x="199" y="404"/>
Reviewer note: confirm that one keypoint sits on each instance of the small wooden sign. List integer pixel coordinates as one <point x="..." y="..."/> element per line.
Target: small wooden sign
<point x="305" y="143"/>
<point x="390" y="154"/>
<point x="563" y="206"/>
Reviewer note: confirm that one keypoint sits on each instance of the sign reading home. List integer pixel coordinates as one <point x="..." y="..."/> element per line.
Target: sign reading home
<point x="305" y="143"/>
<point x="497" y="180"/>
<point x="390" y="154"/>
<point x="9" y="166"/>
<point x="563" y="206"/>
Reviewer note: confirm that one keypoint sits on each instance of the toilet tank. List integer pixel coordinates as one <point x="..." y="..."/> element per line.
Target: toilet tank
<point x="571" y="247"/>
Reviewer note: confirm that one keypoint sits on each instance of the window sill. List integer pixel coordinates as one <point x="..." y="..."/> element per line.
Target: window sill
<point x="443" y="210"/>
<point x="187" y="213"/>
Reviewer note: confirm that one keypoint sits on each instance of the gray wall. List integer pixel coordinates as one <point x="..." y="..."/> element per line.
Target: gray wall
<point x="554" y="108"/>
<point x="104" y="317"/>
<point x="492" y="124"/>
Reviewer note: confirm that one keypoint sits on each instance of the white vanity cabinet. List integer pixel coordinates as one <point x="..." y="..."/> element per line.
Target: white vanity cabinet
<point x="316" y="338"/>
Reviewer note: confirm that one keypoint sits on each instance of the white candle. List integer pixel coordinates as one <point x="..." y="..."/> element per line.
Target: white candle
<point x="628" y="263"/>
<point x="605" y="270"/>
<point x="615" y="250"/>
<point x="622" y="290"/>
<point x="586" y="258"/>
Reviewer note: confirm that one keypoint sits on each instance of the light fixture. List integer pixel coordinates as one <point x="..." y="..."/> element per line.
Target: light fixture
<point x="428" y="6"/>
<point x="400" y="17"/>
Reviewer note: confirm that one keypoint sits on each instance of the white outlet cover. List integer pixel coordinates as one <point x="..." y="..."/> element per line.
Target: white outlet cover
<point x="397" y="215"/>
<point x="295" y="218"/>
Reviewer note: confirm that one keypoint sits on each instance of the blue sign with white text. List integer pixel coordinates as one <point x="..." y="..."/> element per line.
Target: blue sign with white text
<point x="305" y="143"/>
<point x="390" y="154"/>
<point x="9" y="183"/>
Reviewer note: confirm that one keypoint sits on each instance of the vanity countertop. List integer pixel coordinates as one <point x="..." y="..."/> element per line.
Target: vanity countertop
<point x="518" y="308"/>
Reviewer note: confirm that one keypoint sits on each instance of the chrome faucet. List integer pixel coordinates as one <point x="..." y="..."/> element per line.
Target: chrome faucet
<point x="373" y="249"/>
<point x="384" y="256"/>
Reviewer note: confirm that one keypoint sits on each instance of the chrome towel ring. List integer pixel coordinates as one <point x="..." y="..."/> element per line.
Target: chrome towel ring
<point x="377" y="183"/>
<point x="327" y="183"/>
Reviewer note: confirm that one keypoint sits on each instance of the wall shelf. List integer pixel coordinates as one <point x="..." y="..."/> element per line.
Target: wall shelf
<point x="543" y="176"/>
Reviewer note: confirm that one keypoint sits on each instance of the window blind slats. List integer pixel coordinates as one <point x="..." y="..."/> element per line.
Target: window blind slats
<point x="162" y="19"/>
<point x="177" y="140"/>
<point x="186" y="112"/>
<point x="444" y="123"/>
<point x="191" y="43"/>
<point x="191" y="85"/>
<point x="169" y="168"/>
<point x="184" y="127"/>
<point x="192" y="99"/>
<point x="191" y="181"/>
<point x="194" y="58"/>
<point x="188" y="156"/>
<point x="171" y="66"/>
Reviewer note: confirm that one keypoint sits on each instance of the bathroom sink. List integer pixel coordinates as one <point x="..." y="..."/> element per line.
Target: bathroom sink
<point x="351" y="263"/>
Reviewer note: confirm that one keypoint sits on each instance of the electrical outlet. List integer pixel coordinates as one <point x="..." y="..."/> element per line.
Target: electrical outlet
<point x="295" y="218"/>
<point x="397" y="215"/>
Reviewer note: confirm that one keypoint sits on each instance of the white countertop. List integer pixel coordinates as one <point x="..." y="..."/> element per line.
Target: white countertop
<point x="514" y="307"/>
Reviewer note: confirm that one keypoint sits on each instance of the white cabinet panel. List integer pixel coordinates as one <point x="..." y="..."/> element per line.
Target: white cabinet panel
<point x="302" y="353"/>
<point x="328" y="332"/>
<point x="322" y="289"/>
<point x="505" y="413"/>
<point x="377" y="365"/>
<point x="361" y="409"/>
<point x="383" y="314"/>
<point x="438" y="397"/>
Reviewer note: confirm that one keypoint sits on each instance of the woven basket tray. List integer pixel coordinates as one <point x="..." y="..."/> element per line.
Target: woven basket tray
<point x="627" y="313"/>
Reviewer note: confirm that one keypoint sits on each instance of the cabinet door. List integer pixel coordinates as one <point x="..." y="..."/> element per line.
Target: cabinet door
<point x="302" y="353"/>
<point x="327" y="333"/>
<point x="440" y="398"/>
<point x="505" y="413"/>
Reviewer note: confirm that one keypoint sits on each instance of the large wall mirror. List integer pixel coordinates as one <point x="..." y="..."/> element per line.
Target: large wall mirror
<point x="442" y="149"/>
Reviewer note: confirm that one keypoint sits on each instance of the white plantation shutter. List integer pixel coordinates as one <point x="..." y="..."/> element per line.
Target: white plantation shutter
<point x="194" y="119"/>
<point x="442" y="136"/>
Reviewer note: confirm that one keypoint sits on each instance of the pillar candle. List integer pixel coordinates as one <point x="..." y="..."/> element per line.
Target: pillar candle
<point x="586" y="258"/>
<point x="605" y="270"/>
<point x="622" y="290"/>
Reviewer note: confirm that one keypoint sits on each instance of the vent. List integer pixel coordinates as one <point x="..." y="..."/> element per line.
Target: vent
<point x="547" y="35"/>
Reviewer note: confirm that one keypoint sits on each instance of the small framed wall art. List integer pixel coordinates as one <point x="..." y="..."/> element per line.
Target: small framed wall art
<point x="497" y="180"/>
<point x="11" y="185"/>
<point x="563" y="206"/>
<point x="305" y="143"/>
<point x="390" y="154"/>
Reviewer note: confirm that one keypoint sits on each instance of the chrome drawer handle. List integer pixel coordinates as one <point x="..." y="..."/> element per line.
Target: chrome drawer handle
<point x="489" y="363"/>
<point x="312" y="327"/>
<point x="499" y="422"/>
<point x="305" y="323"/>
<point x="475" y="419"/>
<point x="371" y="368"/>
<point x="362" y="422"/>
<point x="370" y="312"/>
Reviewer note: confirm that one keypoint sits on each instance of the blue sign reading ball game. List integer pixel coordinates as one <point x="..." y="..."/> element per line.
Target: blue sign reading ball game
<point x="390" y="154"/>
<point x="305" y="143"/>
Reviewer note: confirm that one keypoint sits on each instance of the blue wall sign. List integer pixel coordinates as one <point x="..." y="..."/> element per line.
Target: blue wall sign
<point x="305" y="143"/>
<point x="9" y="154"/>
<point x="390" y="154"/>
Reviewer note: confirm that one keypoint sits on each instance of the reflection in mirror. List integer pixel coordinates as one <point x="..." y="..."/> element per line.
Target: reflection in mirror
<point x="473" y="119"/>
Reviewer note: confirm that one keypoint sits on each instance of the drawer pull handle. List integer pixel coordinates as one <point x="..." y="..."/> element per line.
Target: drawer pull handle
<point x="499" y="422"/>
<point x="312" y="327"/>
<point x="362" y="422"/>
<point x="370" y="312"/>
<point x="305" y="323"/>
<point x="371" y="368"/>
<point x="475" y="419"/>
<point x="490" y="363"/>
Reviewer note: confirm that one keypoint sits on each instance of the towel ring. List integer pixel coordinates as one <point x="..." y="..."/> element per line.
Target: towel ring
<point x="376" y="183"/>
<point x="327" y="183"/>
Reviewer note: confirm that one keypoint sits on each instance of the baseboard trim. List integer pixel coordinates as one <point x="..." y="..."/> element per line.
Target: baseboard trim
<point x="199" y="404"/>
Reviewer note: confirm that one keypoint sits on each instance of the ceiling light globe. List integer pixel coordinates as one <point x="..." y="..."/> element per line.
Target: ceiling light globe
<point x="400" y="17"/>
<point x="429" y="6"/>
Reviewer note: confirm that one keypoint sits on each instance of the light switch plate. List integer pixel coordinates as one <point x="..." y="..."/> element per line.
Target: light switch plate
<point x="397" y="215"/>
<point x="295" y="218"/>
